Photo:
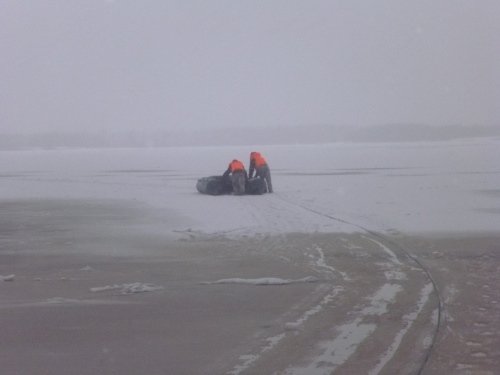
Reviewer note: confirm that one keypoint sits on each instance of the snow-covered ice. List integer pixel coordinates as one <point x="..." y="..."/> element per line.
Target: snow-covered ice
<point x="81" y="224"/>
<point x="410" y="187"/>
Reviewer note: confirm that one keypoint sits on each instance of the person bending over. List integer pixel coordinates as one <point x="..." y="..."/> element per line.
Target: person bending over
<point x="259" y="164"/>
<point x="238" y="176"/>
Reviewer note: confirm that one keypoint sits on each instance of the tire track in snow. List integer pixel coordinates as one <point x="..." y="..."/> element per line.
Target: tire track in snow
<point x="321" y="263"/>
<point x="247" y="360"/>
<point x="408" y="322"/>
<point x="393" y="347"/>
<point x="392" y="256"/>
<point x="337" y="351"/>
<point x="289" y="327"/>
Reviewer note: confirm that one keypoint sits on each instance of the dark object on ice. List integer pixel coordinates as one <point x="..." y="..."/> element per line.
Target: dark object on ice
<point x="214" y="185"/>
<point x="256" y="186"/>
<point x="218" y="185"/>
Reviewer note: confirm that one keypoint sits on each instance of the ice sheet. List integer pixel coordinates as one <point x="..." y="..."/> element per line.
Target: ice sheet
<point x="412" y="187"/>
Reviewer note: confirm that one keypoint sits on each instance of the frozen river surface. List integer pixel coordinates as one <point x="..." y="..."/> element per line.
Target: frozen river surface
<point x="410" y="187"/>
<point x="112" y="262"/>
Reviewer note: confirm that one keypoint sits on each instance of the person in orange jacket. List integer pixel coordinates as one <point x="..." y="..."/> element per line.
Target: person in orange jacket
<point x="259" y="164"/>
<point x="238" y="176"/>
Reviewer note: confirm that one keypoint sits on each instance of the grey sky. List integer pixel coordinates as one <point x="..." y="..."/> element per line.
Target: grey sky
<point x="158" y="64"/>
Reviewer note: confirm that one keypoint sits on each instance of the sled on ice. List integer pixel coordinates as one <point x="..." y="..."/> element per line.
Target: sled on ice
<point x="218" y="185"/>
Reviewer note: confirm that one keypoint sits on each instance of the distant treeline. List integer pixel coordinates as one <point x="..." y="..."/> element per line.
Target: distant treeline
<point x="247" y="136"/>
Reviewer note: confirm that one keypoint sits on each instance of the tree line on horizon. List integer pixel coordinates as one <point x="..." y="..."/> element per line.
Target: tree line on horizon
<point x="247" y="136"/>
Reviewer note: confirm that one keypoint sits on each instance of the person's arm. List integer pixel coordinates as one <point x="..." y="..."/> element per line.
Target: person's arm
<point x="226" y="173"/>
<point x="251" y="168"/>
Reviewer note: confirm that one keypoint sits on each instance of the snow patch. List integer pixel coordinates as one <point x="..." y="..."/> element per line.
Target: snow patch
<point x="450" y="294"/>
<point x="473" y="343"/>
<point x="383" y="297"/>
<point x="70" y="301"/>
<point x="128" y="288"/>
<point x="464" y="366"/>
<point x="488" y="333"/>
<point x="350" y="246"/>
<point x="249" y="359"/>
<point x="7" y="278"/>
<point x="336" y="352"/>
<point x="313" y="311"/>
<point x="435" y="317"/>
<point x="479" y="355"/>
<point x="321" y="263"/>
<point x="395" y="275"/>
<point x="264" y="281"/>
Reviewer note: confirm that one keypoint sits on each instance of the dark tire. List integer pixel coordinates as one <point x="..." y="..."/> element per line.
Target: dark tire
<point x="214" y="185"/>
<point x="256" y="186"/>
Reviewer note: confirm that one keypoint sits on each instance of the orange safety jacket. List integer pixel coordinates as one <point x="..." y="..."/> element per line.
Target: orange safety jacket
<point x="236" y="166"/>
<point x="257" y="159"/>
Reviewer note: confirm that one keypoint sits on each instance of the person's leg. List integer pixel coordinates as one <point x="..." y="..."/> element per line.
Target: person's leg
<point x="234" y="182"/>
<point x="243" y="182"/>
<point x="267" y="177"/>
<point x="265" y="174"/>
<point x="239" y="183"/>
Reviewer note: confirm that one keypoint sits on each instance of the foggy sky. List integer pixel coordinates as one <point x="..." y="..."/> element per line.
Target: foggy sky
<point x="160" y="65"/>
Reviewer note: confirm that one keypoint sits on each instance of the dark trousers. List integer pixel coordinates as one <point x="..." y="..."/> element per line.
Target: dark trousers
<point x="265" y="173"/>
<point x="239" y="180"/>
